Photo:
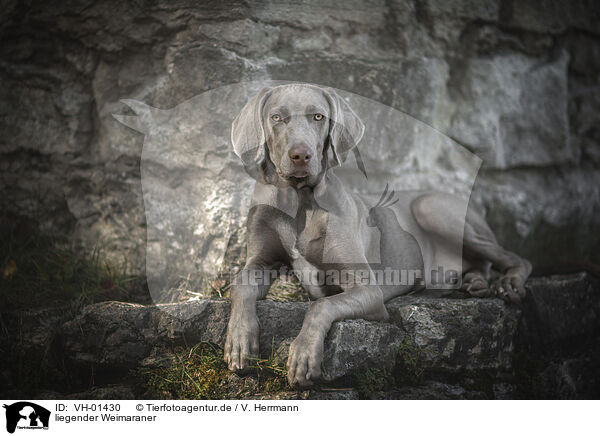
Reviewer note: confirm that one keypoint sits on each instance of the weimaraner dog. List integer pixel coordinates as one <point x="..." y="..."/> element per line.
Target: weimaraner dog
<point x="288" y="137"/>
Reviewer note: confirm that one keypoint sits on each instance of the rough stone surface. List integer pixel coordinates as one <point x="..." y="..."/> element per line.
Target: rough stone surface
<point x="451" y="347"/>
<point x="431" y="391"/>
<point x="510" y="104"/>
<point x="517" y="82"/>
<point x="465" y="334"/>
<point x="357" y="344"/>
<point x="453" y="335"/>
<point x="346" y="394"/>
<point x="572" y="378"/>
<point x="526" y="207"/>
<point x="563" y="310"/>
<point x="122" y="335"/>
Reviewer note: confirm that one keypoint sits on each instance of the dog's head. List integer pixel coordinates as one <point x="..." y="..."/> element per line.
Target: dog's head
<point x="291" y="134"/>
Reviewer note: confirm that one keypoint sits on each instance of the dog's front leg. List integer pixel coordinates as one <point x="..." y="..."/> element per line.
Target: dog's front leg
<point x="306" y="351"/>
<point x="251" y="284"/>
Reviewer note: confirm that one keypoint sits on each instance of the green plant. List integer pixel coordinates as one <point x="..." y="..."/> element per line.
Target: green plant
<point x="409" y="369"/>
<point x="373" y="380"/>
<point x="198" y="374"/>
<point x="272" y="371"/>
<point x="201" y="373"/>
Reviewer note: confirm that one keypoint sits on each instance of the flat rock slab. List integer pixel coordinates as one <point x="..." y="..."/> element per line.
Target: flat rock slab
<point x="561" y="311"/>
<point x="357" y="344"/>
<point x="121" y="335"/>
<point x="458" y="334"/>
<point x="450" y="334"/>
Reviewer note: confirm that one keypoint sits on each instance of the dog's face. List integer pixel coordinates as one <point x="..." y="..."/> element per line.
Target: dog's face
<point x="290" y="134"/>
<point x="296" y="123"/>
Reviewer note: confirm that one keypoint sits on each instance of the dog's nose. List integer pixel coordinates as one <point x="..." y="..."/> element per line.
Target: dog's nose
<point x="299" y="154"/>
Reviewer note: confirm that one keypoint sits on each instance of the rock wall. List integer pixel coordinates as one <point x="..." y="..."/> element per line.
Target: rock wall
<point x="515" y="82"/>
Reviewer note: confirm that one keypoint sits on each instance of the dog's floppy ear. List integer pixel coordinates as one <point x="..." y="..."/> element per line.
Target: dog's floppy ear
<point x="345" y="128"/>
<point x="247" y="131"/>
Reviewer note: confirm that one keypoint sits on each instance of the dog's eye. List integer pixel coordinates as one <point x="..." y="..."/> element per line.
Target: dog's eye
<point x="318" y="117"/>
<point x="276" y="117"/>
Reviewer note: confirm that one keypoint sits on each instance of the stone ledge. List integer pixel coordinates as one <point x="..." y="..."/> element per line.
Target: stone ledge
<point x="453" y="335"/>
<point x="467" y="347"/>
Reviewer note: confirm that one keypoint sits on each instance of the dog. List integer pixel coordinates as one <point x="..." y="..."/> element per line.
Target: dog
<point x="302" y="217"/>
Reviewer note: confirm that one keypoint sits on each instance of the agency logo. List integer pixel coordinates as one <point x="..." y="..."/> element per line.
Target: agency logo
<point x="26" y="415"/>
<point x="198" y="191"/>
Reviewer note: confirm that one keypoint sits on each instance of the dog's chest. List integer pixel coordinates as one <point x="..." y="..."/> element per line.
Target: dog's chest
<point x="311" y="226"/>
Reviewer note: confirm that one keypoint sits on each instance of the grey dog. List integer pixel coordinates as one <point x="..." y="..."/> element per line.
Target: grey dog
<point x="289" y="137"/>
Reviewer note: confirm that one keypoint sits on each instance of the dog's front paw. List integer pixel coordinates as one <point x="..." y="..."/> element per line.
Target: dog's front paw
<point x="304" y="361"/>
<point x="242" y="341"/>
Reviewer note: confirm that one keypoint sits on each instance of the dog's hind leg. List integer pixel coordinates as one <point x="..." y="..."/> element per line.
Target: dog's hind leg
<point x="438" y="213"/>
<point x="476" y="283"/>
